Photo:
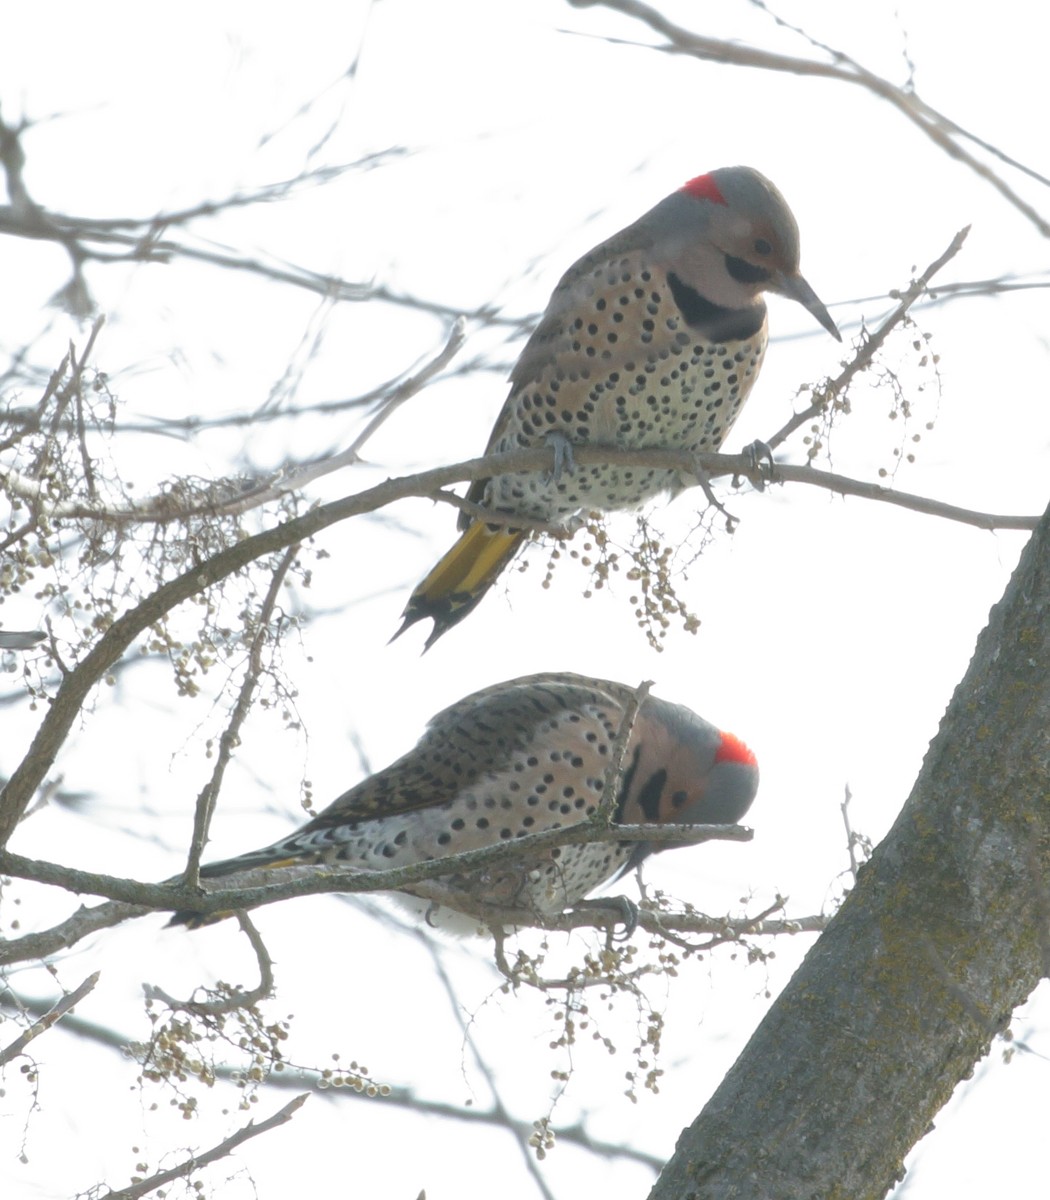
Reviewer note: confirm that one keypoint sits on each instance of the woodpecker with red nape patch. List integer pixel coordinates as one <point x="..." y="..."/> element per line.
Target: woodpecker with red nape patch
<point x="653" y="340"/>
<point x="517" y="758"/>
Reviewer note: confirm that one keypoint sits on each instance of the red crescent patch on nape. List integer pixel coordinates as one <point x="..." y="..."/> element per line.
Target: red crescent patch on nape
<point x="732" y="749"/>
<point x="703" y="187"/>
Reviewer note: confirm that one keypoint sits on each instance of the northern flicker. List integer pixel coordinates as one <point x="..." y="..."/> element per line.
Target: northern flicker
<point x="517" y="758"/>
<point x="652" y="340"/>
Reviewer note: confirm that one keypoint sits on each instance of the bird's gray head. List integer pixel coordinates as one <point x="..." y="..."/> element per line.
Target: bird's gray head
<point x="747" y="221"/>
<point x="684" y="770"/>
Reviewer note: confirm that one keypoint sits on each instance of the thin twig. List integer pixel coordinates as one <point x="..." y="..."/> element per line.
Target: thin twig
<point x="298" y="477"/>
<point x="56" y="1013"/>
<point x="196" y="1161"/>
<point x="238" y="999"/>
<point x="78" y="365"/>
<point x="309" y="879"/>
<point x="429" y="484"/>
<point x="842" y="69"/>
<point x="864" y="355"/>
<point x="456" y="337"/>
<point x="851" y="837"/>
<point x="231" y="735"/>
<point x="728" y="930"/>
<point x="89" y="920"/>
<point x="844" y="486"/>
<point x="605" y="815"/>
<point x="659" y="922"/>
<point x="397" y="1096"/>
<point x="68" y="932"/>
<point x="67" y="703"/>
<point x="500" y="1113"/>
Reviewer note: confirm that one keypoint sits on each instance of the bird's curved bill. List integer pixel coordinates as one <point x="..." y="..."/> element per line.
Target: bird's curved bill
<point x="796" y="288"/>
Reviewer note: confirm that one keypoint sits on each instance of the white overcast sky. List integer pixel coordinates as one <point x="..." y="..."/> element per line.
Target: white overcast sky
<point x="833" y="632"/>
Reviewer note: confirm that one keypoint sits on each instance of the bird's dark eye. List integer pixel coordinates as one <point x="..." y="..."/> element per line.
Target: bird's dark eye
<point x="763" y="247"/>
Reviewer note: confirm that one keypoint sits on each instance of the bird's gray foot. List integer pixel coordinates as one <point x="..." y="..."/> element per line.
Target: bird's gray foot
<point x="623" y="908"/>
<point x="763" y="468"/>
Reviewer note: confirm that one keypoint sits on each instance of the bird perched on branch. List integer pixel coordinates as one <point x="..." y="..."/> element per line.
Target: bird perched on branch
<point x="651" y="340"/>
<point x="518" y="758"/>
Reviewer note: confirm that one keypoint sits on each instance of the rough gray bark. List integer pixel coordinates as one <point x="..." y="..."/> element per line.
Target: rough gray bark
<point x="946" y="932"/>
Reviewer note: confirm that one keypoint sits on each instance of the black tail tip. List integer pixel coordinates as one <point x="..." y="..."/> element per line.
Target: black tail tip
<point x="441" y="613"/>
<point x="406" y="623"/>
<point x="408" y="619"/>
<point x="193" y="920"/>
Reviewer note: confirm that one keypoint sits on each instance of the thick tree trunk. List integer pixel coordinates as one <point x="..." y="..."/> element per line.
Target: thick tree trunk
<point x="946" y="932"/>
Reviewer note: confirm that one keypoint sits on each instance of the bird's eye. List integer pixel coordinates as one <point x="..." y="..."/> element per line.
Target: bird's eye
<point x="763" y="247"/>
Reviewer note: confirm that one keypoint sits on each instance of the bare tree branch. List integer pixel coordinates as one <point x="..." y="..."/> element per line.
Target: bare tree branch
<point x="936" y="945"/>
<point x="67" y="933"/>
<point x="141" y="238"/>
<point x="944" y="133"/>
<point x="887" y="495"/>
<point x="196" y="1161"/>
<point x="78" y="682"/>
<point x="866" y="352"/>
<point x="500" y="1114"/>
<point x="55" y="1013"/>
<point x="238" y="998"/>
<point x="231" y="735"/>
<point x="456" y="337"/>
<point x="394" y="1096"/>
<point x="660" y="921"/>
<point x="428" y="485"/>
<point x="311" y="879"/>
<point x="606" y="810"/>
<point x="234" y="496"/>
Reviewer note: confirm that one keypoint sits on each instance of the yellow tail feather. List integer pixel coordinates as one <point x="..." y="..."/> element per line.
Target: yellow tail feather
<point x="456" y="585"/>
